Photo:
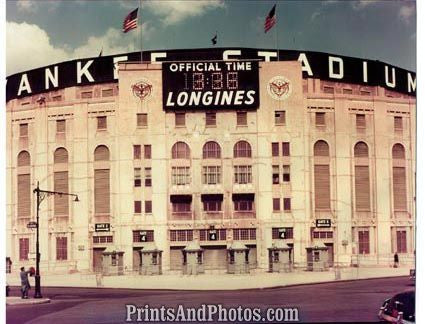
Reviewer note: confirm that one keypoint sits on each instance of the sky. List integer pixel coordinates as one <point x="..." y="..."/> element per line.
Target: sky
<point x="40" y="32"/>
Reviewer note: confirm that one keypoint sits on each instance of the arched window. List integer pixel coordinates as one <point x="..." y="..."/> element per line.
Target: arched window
<point x="242" y="149"/>
<point x="180" y="150"/>
<point x="211" y="150"/>
<point x="321" y="148"/>
<point x="361" y="177"/>
<point x="398" y="151"/>
<point x="61" y="202"/>
<point x="101" y="153"/>
<point x="399" y="178"/>
<point x="24" y="158"/>
<point x="361" y="150"/>
<point x="61" y="155"/>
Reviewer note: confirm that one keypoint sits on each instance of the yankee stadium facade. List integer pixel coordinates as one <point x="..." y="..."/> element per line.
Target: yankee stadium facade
<point x="298" y="159"/>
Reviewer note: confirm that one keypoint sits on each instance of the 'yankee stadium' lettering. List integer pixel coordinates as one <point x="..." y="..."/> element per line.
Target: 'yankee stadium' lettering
<point x="313" y="65"/>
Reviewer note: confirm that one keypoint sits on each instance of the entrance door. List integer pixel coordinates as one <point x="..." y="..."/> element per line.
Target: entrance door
<point x="136" y="259"/>
<point x="330" y="247"/>
<point x="176" y="258"/>
<point x="97" y="259"/>
<point x="215" y="257"/>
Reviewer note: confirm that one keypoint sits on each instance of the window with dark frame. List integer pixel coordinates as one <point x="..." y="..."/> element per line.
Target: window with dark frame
<point x="320" y="119"/>
<point x="61" y="248"/>
<point x="180" y="119"/>
<point x="360" y="120"/>
<point x="401" y="241"/>
<point x="286" y="173"/>
<point x="363" y="242"/>
<point x="275" y="174"/>
<point x="285" y="149"/>
<point x="148" y="177"/>
<point x="244" y="234"/>
<point x="103" y="239"/>
<point x="24" y="248"/>
<point x="137" y="152"/>
<point x="137" y="207"/>
<point x="181" y="235"/>
<point x="148" y="151"/>
<point x="276" y="204"/>
<point x="148" y="206"/>
<point x="398" y="123"/>
<point x="280" y="117"/>
<point x="142" y="120"/>
<point x="107" y="92"/>
<point x="137" y="237"/>
<point x="242" y="149"/>
<point x="23" y="130"/>
<point x="242" y="174"/>
<point x="137" y="177"/>
<point x="101" y="123"/>
<point x="241" y="118"/>
<point x="289" y="232"/>
<point x="286" y="204"/>
<point x="211" y="175"/>
<point x="275" y="149"/>
<point x="181" y="207"/>
<point x="60" y="126"/>
<point x="212" y="205"/>
<point x="243" y="205"/>
<point x="210" y="119"/>
<point x="180" y="176"/>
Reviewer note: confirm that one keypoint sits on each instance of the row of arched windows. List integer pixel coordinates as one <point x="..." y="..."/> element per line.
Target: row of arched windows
<point x="211" y="150"/>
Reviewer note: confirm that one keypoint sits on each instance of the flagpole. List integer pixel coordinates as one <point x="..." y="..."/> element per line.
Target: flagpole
<point x="141" y="31"/>
<point x="276" y="34"/>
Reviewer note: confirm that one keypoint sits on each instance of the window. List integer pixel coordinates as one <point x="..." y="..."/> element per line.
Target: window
<point x="103" y="239"/>
<point x="360" y="121"/>
<point x="327" y="89"/>
<point x="24" y="195"/>
<point x="180" y="150"/>
<point x="363" y="242"/>
<point x="23" y="158"/>
<point x="401" y="241"/>
<point x="57" y="98"/>
<point x="181" y="207"/>
<point x="285" y="149"/>
<point x="323" y="235"/>
<point x="137" y="207"/>
<point x="275" y="174"/>
<point x="276" y="204"/>
<point x="210" y="119"/>
<point x="398" y="151"/>
<point x="148" y="206"/>
<point x="276" y="232"/>
<point x="399" y="178"/>
<point x="107" y="93"/>
<point x="148" y="177"/>
<point x="361" y="177"/>
<point x="242" y="149"/>
<point x="275" y="149"/>
<point x="180" y="119"/>
<point x="60" y="126"/>
<point x="212" y="205"/>
<point x="321" y="148"/>
<point x="361" y="150"/>
<point x="24" y="248"/>
<point x="148" y="151"/>
<point x="322" y="190"/>
<point x="320" y="119"/>
<point x="211" y="175"/>
<point x="137" y="152"/>
<point x="101" y="123"/>
<point x="279" y="117"/>
<point x="347" y="91"/>
<point x="243" y="174"/>
<point x="61" y="202"/>
<point x="204" y="234"/>
<point x="137" y="177"/>
<point x="61" y="248"/>
<point x="143" y="236"/>
<point x="180" y="176"/>
<point x="101" y="191"/>
<point x="243" y="205"/>
<point x="211" y="150"/>
<point x="181" y="235"/>
<point x="286" y="173"/>
<point x="244" y="234"/>
<point x="142" y="120"/>
<point x="101" y="153"/>
<point x="286" y="204"/>
<point x="241" y="118"/>
<point x="398" y="123"/>
<point x="86" y="94"/>
<point x="23" y="130"/>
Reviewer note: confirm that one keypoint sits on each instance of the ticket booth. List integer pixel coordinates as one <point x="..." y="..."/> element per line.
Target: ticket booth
<point x="237" y="258"/>
<point x="150" y="260"/>
<point x="112" y="262"/>
<point x="317" y="258"/>
<point x="280" y="257"/>
<point x="193" y="259"/>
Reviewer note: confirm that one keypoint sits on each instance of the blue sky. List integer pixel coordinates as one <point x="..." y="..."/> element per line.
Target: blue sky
<point x="54" y="31"/>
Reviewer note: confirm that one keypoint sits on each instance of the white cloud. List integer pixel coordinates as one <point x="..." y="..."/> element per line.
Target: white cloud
<point x="406" y="13"/>
<point x="28" y="46"/>
<point x="27" y="5"/>
<point x="172" y="12"/>
<point x="361" y="4"/>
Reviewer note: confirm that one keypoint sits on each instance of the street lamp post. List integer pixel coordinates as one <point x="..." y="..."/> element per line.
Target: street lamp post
<point x="41" y="195"/>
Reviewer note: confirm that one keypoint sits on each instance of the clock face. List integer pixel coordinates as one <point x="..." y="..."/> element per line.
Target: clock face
<point x="210" y="85"/>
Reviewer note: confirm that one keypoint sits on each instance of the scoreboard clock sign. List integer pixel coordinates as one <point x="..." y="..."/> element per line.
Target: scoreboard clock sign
<point x="210" y="85"/>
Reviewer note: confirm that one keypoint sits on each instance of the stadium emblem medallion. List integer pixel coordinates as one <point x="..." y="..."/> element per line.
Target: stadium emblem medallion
<point x="279" y="88"/>
<point x="142" y="89"/>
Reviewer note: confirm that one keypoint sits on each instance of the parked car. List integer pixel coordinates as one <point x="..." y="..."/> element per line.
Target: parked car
<point x="399" y="309"/>
<point x="412" y="274"/>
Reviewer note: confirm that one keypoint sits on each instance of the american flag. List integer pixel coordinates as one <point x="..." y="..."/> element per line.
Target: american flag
<point x="270" y="20"/>
<point x="130" y="22"/>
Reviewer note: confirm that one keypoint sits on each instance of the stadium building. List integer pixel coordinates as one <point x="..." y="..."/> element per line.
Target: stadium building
<point x="208" y="153"/>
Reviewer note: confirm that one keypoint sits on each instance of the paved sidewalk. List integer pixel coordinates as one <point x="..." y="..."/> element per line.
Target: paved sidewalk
<point x="29" y="301"/>
<point x="212" y="281"/>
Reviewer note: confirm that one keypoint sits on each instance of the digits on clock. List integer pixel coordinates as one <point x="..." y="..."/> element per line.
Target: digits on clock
<point x="215" y="80"/>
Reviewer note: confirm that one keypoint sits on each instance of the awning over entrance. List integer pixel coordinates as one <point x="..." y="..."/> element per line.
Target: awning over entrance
<point x="212" y="197"/>
<point x="237" y="246"/>
<point x="192" y="247"/>
<point x="279" y="245"/>
<point x="181" y="198"/>
<point x="243" y="196"/>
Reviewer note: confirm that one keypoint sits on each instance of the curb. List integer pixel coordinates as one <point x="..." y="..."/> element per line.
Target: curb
<point x="15" y="301"/>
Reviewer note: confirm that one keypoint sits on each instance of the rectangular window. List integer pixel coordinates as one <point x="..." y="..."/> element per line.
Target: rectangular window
<point x="61" y="248"/>
<point x="211" y="175"/>
<point x="399" y="189"/>
<point x="204" y="235"/>
<point x="244" y="234"/>
<point x="23" y="130"/>
<point x="276" y="204"/>
<point x="103" y="239"/>
<point x="277" y="233"/>
<point x="286" y="173"/>
<point x="347" y="91"/>
<point x="320" y="119"/>
<point x="137" y="177"/>
<point x="360" y="120"/>
<point x="142" y="120"/>
<point x="60" y="126"/>
<point x="24" y="248"/>
<point x="107" y="93"/>
<point x="401" y="242"/>
<point x="137" y="152"/>
<point x="243" y="174"/>
<point x="275" y="174"/>
<point x="181" y="235"/>
<point x="323" y="235"/>
<point x="275" y="149"/>
<point x="210" y="119"/>
<point x="322" y="187"/>
<point x="181" y="207"/>
<point x="180" y="119"/>
<point x="101" y="191"/>
<point x="285" y="149"/>
<point x="148" y="151"/>
<point x="398" y="123"/>
<point x="24" y="196"/>
<point x="286" y="204"/>
<point x="61" y="202"/>
<point x="279" y="117"/>
<point x="362" y="187"/>
<point x="243" y="205"/>
<point x="363" y="242"/>
<point x="241" y="118"/>
<point x="212" y="205"/>
<point x="86" y="94"/>
<point x="148" y="177"/>
<point x="101" y="123"/>
<point x="327" y="89"/>
<point x="148" y="206"/>
<point x="180" y="176"/>
<point x="137" y="207"/>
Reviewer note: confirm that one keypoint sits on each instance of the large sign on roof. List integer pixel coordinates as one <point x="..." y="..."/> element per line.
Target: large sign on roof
<point x="314" y="65"/>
